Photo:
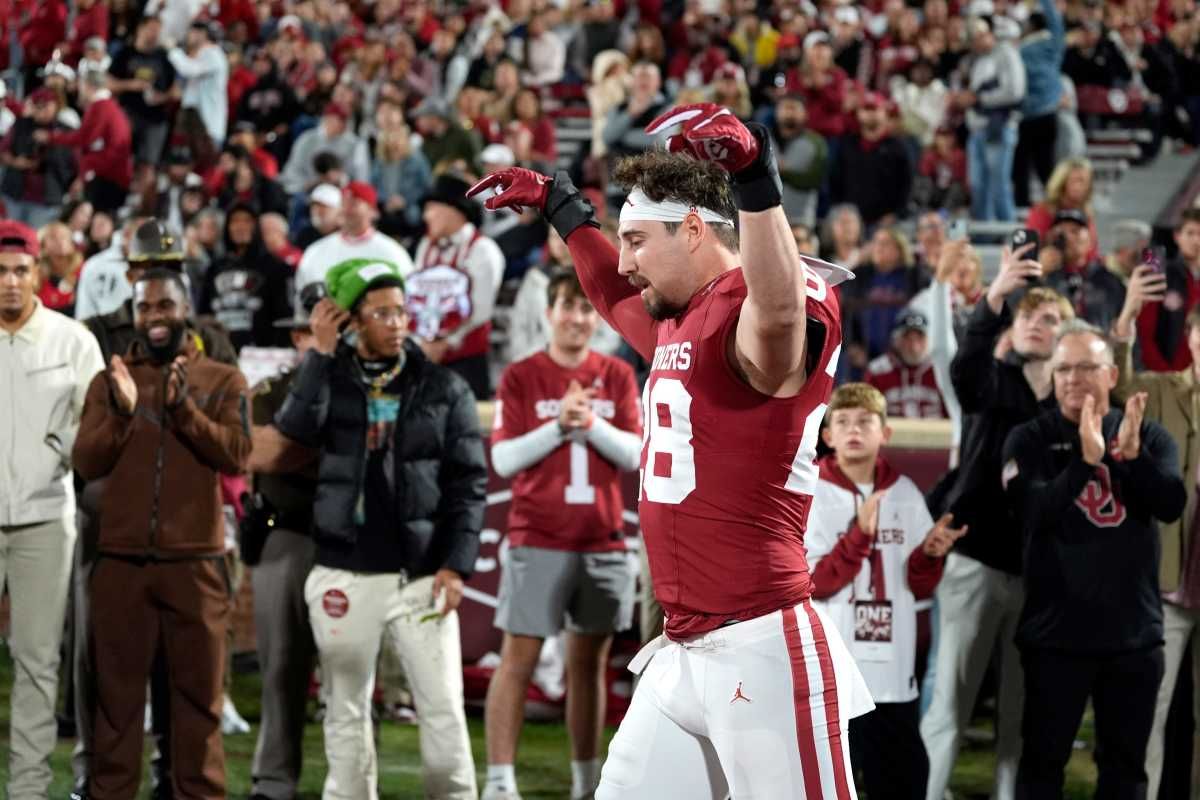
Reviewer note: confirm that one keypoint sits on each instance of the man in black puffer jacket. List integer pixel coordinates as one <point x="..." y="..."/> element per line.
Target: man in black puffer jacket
<point x="398" y="509"/>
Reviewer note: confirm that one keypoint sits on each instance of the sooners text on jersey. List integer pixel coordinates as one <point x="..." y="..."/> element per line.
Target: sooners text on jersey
<point x="728" y="473"/>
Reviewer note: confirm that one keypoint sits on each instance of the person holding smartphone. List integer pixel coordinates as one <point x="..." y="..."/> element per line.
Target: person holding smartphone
<point x="1161" y="325"/>
<point x="1096" y="294"/>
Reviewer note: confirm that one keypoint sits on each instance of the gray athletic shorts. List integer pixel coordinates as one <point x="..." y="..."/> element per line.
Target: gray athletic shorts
<point x="542" y="588"/>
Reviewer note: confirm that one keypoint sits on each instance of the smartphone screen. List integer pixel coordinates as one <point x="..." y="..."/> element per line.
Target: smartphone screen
<point x="958" y="230"/>
<point x="1153" y="258"/>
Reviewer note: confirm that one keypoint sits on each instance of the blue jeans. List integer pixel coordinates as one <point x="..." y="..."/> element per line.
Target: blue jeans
<point x="989" y="166"/>
<point x="35" y="215"/>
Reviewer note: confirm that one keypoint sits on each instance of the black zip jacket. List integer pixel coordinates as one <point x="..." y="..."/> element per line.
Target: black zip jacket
<point x="436" y="468"/>
<point x="1092" y="548"/>
<point x="995" y="398"/>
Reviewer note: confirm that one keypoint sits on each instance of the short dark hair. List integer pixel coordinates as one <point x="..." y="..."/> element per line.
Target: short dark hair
<point x="386" y="282"/>
<point x="671" y="176"/>
<point x="565" y="282"/>
<point x="164" y="274"/>
<point x="1188" y="215"/>
<point x="325" y="161"/>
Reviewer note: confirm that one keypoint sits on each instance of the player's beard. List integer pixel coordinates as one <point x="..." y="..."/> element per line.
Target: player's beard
<point x="658" y="308"/>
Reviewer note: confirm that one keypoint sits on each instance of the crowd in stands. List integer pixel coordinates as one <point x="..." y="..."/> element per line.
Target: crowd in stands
<point x="275" y="138"/>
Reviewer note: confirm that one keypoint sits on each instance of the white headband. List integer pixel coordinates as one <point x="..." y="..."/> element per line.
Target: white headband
<point x="640" y="207"/>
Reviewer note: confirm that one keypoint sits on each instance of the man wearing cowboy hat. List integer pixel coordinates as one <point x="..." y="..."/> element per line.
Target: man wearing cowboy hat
<point x="276" y="541"/>
<point x="452" y="294"/>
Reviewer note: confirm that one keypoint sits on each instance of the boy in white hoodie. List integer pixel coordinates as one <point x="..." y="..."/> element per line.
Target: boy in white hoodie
<point x="874" y="551"/>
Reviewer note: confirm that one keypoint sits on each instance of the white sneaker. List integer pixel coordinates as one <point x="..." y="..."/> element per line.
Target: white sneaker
<point x="490" y="793"/>
<point x="231" y="721"/>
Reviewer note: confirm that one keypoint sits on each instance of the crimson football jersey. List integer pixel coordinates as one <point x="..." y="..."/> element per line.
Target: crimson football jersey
<point x="728" y="473"/>
<point x="571" y="499"/>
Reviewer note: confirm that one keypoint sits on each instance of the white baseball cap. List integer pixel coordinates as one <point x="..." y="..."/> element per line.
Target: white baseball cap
<point x="327" y="195"/>
<point x="499" y="154"/>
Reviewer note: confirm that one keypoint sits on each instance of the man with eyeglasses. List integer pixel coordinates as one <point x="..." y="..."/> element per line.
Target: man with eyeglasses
<point x="398" y="509"/>
<point x="1087" y="483"/>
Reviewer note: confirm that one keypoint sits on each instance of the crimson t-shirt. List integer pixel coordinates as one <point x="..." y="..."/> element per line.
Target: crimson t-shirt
<point x="571" y="499"/>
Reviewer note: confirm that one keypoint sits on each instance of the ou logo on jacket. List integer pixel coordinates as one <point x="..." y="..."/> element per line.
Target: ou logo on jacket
<point x="1098" y="502"/>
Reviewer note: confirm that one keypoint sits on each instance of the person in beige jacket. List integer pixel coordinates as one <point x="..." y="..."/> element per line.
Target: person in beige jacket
<point x="1174" y="403"/>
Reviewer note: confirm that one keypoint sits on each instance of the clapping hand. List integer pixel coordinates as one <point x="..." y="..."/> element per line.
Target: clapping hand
<point x="576" y="410"/>
<point x="1129" y="435"/>
<point x="868" y="514"/>
<point x="941" y="537"/>
<point x="1091" y="435"/>
<point x="124" y="389"/>
<point x="176" y="382"/>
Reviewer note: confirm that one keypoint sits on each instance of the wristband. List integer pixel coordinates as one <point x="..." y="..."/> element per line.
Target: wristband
<point x="566" y="208"/>
<point x="758" y="187"/>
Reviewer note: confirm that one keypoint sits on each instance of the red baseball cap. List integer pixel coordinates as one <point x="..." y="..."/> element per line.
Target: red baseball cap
<point x="728" y="71"/>
<point x="42" y="95"/>
<point x="361" y="191"/>
<point x="874" y="100"/>
<point x="16" y="237"/>
<point x="336" y="110"/>
<point x="788" y="40"/>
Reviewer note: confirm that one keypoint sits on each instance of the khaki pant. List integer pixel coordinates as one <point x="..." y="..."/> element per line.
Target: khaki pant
<point x="185" y="605"/>
<point x="978" y="609"/>
<point x="349" y="613"/>
<point x="1179" y="624"/>
<point x="35" y="565"/>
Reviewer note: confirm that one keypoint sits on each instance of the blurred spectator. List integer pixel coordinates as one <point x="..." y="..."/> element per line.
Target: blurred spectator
<point x="400" y="173"/>
<point x="277" y="542"/>
<point x="1161" y="329"/>
<point x="39" y="174"/>
<point x="142" y="77"/>
<point x="872" y="169"/>
<point x="162" y="576"/>
<point x="921" y="97"/>
<point x="755" y="40"/>
<point x="273" y="229"/>
<point x="245" y="184"/>
<point x="247" y="289"/>
<point x="41" y="31"/>
<point x="102" y="287"/>
<point x="104" y="144"/>
<point x="1070" y="140"/>
<point x="1070" y="189"/>
<point x="1130" y="238"/>
<point x="443" y="138"/>
<point x="356" y="239"/>
<point x="59" y="266"/>
<point x="600" y="31"/>
<point x="853" y="51"/>
<point x="1085" y="473"/>
<point x="608" y="89"/>
<point x="729" y="89"/>
<point x="371" y="528"/>
<point x="883" y="285"/>
<point x="807" y="242"/>
<point x="1041" y="50"/>
<point x="941" y="181"/>
<point x="1096" y="294"/>
<point x="905" y="374"/>
<point x="452" y="294"/>
<point x="324" y="215"/>
<point x="545" y="55"/>
<point x="981" y="596"/>
<point x="90" y="20"/>
<point x="1093" y="60"/>
<point x="334" y="136"/>
<point x="175" y="178"/>
<point x="828" y="93"/>
<point x="48" y="360"/>
<point x="803" y="159"/>
<point x="483" y="69"/>
<point x="532" y="131"/>
<point x="270" y="104"/>
<point x="843" y="236"/>
<point x="624" y="132"/>
<point x="992" y="101"/>
<point x="1178" y="86"/>
<point x="204" y="72"/>
<point x="931" y="238"/>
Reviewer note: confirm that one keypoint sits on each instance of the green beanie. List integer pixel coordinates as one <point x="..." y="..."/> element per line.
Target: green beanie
<point x="351" y="279"/>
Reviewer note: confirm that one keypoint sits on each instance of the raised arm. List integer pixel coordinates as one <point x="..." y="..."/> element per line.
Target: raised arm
<point x="595" y="258"/>
<point x="770" y="337"/>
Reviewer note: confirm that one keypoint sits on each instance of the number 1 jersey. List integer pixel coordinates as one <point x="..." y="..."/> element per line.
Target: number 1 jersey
<point x="571" y="499"/>
<point x="728" y="473"/>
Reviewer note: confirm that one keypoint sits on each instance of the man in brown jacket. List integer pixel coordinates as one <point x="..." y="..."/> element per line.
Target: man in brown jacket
<point x="1173" y="401"/>
<point x="160" y="424"/>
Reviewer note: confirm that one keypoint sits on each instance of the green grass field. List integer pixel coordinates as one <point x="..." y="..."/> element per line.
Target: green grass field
<point x="543" y="767"/>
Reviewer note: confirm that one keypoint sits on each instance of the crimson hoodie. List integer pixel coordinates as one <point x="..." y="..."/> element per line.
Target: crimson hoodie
<point x="104" y="142"/>
<point x="836" y="570"/>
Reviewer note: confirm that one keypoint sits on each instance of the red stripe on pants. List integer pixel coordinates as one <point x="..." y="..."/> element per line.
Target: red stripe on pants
<point x="802" y="694"/>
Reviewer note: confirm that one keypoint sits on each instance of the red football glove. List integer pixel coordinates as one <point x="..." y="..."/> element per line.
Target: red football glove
<point x="514" y="187"/>
<point x="710" y="133"/>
